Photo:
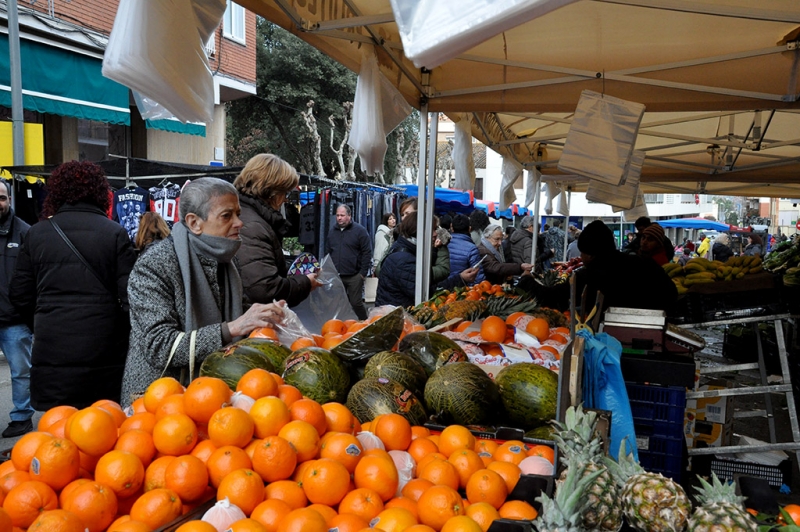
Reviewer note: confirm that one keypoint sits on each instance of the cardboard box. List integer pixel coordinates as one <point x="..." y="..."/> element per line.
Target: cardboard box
<point x="706" y="434"/>
<point x="712" y="409"/>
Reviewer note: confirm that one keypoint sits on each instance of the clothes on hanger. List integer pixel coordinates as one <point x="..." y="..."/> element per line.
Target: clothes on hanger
<point x="129" y="206"/>
<point x="165" y="200"/>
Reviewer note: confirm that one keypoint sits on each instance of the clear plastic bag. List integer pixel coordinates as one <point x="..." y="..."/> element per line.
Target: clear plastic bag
<point x="290" y="328"/>
<point x="327" y="302"/>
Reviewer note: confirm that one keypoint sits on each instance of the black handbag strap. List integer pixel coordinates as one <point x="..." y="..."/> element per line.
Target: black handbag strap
<point x="80" y="257"/>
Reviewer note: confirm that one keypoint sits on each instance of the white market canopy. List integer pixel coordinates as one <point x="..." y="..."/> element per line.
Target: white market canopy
<point x="718" y="79"/>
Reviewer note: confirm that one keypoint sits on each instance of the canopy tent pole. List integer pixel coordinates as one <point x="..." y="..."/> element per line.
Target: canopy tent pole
<point x="538" y="188"/>
<point x="17" y="119"/>
<point x="424" y="240"/>
<point x="419" y="293"/>
<point x="566" y="225"/>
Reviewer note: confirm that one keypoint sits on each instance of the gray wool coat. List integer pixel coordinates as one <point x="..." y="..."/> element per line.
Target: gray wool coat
<point x="158" y="310"/>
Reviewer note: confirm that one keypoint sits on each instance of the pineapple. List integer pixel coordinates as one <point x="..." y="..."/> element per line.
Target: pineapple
<point x="721" y="509"/>
<point x="562" y="513"/>
<point x="650" y="501"/>
<point x="578" y="444"/>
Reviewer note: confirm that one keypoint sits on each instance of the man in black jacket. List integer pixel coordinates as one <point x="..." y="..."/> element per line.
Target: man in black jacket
<point x="350" y="249"/>
<point x="15" y="336"/>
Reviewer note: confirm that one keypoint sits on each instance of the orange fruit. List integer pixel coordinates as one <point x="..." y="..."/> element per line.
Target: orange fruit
<point x="364" y="502"/>
<point x="441" y="473"/>
<point x="57" y="413"/>
<point x="518" y="510"/>
<point x="25" y="502"/>
<point x="509" y="471"/>
<point x="94" y="503"/>
<point x="487" y="486"/>
<point x="420" y="528"/>
<point x="264" y="332"/>
<point x="58" y="429"/>
<point x="429" y="458"/>
<point x="338" y="418"/>
<point x="138" y="406"/>
<point x="513" y="317"/>
<point x="347" y="523"/>
<point x="325" y="511"/>
<point x="156" y="473"/>
<point x="300" y="470"/>
<point x="246" y="525"/>
<point x="122" y="471"/>
<point x="139" y="443"/>
<point x="143" y="421"/>
<point x="418" y="431"/>
<point x="93" y="430"/>
<point x="415" y="487"/>
<point x="454" y="438"/>
<point x="461" y="523"/>
<point x="552" y="350"/>
<point x="231" y="426"/>
<point x="545" y="451"/>
<point x="311" y="412"/>
<point x="485" y="446"/>
<point x="289" y="394"/>
<point x="288" y="491"/>
<point x="326" y="482"/>
<point x="53" y="521"/>
<point x="332" y="341"/>
<point x="558" y="338"/>
<point x="270" y="513"/>
<point x="493" y="329"/>
<point x="379" y="474"/>
<point x="204" y="449"/>
<point x="244" y="488"/>
<point x="157" y="507"/>
<point x="394" y="431"/>
<point x="513" y="451"/>
<point x="226" y="460"/>
<point x="438" y="504"/>
<point x="394" y="520"/>
<point x="7" y="467"/>
<point x="194" y="526"/>
<point x="170" y="405"/>
<point x="23" y="451"/>
<point x="303" y="520"/>
<point x="538" y="327"/>
<point x="420" y="448"/>
<point x="463" y="326"/>
<point x="204" y="396"/>
<point x="187" y="476"/>
<point x="301" y="343"/>
<point x="344" y="448"/>
<point x="274" y="458"/>
<point x="69" y="488"/>
<point x="303" y="436"/>
<point x="466" y="462"/>
<point x="56" y="463"/>
<point x="159" y="390"/>
<point x="113" y="408"/>
<point x="269" y="415"/>
<point x="333" y="326"/>
<point x="278" y="379"/>
<point x="402" y="502"/>
<point x="10" y="480"/>
<point x="138" y="526"/>
<point x="483" y="513"/>
<point x="175" y="435"/>
<point x="257" y="383"/>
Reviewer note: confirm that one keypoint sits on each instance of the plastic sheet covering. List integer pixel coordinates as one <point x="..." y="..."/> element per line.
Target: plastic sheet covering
<point x="552" y="191"/>
<point x="462" y="155"/>
<point x="434" y="31"/>
<point x="531" y="177"/>
<point x="327" y="302"/>
<point x="640" y="209"/>
<point x="378" y="109"/>
<point x="511" y="171"/>
<point x="157" y="49"/>
<point x="623" y="196"/>
<point x="601" y="138"/>
<point x="604" y="387"/>
<point x="563" y="204"/>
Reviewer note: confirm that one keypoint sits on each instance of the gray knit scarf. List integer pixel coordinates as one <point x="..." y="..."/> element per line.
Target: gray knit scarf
<point x="201" y="306"/>
<point x="498" y="253"/>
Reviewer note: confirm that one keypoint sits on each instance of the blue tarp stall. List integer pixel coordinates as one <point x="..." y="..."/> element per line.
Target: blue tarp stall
<point x="445" y="199"/>
<point x="493" y="210"/>
<point x="694" y="223"/>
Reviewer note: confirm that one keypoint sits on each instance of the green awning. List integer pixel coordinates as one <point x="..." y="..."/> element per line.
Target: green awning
<point x="176" y="126"/>
<point x="64" y="83"/>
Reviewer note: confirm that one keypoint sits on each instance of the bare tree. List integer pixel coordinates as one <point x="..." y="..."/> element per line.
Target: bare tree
<point x="311" y="125"/>
<point x="345" y="171"/>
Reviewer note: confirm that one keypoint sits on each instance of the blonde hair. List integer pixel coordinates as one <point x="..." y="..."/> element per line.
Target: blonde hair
<point x="265" y="175"/>
<point x="152" y="227"/>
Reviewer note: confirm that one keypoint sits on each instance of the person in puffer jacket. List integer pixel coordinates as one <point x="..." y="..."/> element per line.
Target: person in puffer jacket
<point x="463" y="252"/>
<point x="522" y="244"/>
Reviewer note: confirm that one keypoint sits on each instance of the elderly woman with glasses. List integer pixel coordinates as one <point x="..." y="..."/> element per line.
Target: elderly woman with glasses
<point x="495" y="267"/>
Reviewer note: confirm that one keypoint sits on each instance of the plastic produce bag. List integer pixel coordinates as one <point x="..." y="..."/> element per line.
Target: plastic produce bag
<point x="511" y="171"/>
<point x="623" y="196"/>
<point x="223" y="514"/>
<point x="378" y="108"/>
<point x="552" y="191"/>
<point x="157" y="49"/>
<point x="434" y="31"/>
<point x="532" y="176"/>
<point x="463" y="158"/>
<point x="327" y="302"/>
<point x="291" y="327"/>
<point x="405" y="465"/>
<point x="604" y="386"/>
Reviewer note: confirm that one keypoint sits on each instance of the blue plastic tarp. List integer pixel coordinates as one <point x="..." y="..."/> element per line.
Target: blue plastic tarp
<point x="694" y="223"/>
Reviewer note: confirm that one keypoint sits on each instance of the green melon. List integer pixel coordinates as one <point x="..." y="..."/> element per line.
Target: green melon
<point x="318" y="374"/>
<point x="378" y="336"/>
<point x="529" y="394"/>
<point x="545" y="432"/>
<point x="274" y="351"/>
<point x="230" y="363"/>
<point x="462" y="393"/>
<point x="372" y="397"/>
<point x="432" y="350"/>
<point x="398" y="367"/>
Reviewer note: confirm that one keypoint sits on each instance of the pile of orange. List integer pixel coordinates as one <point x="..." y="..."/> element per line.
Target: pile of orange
<point x="336" y="331"/>
<point x="290" y="464"/>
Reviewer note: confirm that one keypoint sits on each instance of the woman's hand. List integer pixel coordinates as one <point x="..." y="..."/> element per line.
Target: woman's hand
<point x="257" y="316"/>
<point x="314" y="283"/>
<point x="469" y="275"/>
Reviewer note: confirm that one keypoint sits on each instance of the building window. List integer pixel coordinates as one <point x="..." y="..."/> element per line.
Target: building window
<point x="670" y="199"/>
<point x="233" y="23"/>
<point x="687" y="198"/>
<point x="92" y="140"/>
<point x="654" y="198"/>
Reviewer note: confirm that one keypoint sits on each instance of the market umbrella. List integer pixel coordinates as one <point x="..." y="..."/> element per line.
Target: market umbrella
<point x="694" y="223"/>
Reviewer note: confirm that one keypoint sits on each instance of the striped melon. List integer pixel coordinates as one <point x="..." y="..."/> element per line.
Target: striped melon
<point x="230" y="363"/>
<point x="462" y="393"/>
<point x="275" y="352"/>
<point x="432" y="350"/>
<point x="398" y="367"/>
<point x="529" y="394"/>
<point x="318" y="374"/>
<point x="372" y="397"/>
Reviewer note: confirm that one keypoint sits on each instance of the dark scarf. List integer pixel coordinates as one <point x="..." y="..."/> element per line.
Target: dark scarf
<point x="201" y="306"/>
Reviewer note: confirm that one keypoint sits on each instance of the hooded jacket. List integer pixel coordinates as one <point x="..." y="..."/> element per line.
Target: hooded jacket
<point x="383" y="241"/>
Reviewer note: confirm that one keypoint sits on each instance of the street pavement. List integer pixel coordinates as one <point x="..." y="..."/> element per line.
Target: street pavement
<point x="6" y="406"/>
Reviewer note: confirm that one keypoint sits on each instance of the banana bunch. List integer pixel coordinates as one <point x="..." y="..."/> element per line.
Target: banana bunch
<point x="700" y="270"/>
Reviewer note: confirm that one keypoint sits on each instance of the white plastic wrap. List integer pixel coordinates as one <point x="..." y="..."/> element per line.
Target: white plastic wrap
<point x="368" y="441"/>
<point x="223" y="514"/>
<point x="378" y="108"/>
<point x="639" y="210"/>
<point x="563" y="204"/>
<point x="462" y="154"/>
<point x="157" y="49"/>
<point x="405" y="465"/>
<point x="552" y="191"/>
<point x="601" y="138"/>
<point x="531" y="177"/>
<point x="623" y="196"/>
<point x="511" y="171"/>
<point x="434" y="31"/>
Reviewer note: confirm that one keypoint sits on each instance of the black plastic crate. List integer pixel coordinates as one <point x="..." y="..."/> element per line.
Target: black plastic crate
<point x="726" y="468"/>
